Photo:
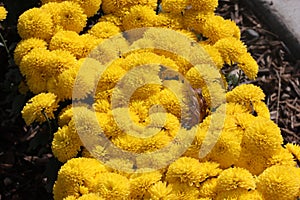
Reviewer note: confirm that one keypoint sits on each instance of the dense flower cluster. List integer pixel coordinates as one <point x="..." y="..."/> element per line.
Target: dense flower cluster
<point x="58" y="53"/>
<point x="3" y="13"/>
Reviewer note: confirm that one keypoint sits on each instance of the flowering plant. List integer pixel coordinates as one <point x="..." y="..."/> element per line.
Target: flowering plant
<point x="63" y="59"/>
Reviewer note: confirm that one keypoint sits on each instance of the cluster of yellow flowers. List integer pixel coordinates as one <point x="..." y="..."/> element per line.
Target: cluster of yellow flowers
<point x="248" y="160"/>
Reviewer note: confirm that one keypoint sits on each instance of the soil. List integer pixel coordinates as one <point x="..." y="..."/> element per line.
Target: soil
<point x="26" y="160"/>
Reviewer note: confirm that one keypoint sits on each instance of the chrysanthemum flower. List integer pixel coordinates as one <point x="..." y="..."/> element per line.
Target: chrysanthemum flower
<point x="279" y="182"/>
<point x="67" y="15"/>
<point x="234" y="178"/>
<point x="111" y="186"/>
<point x="25" y="46"/>
<point x="174" y="6"/>
<point x="141" y="183"/>
<point x="169" y="20"/>
<point x="216" y="28"/>
<point x="39" y="107"/>
<point x="245" y="94"/>
<point x="294" y="149"/>
<point x="104" y="30"/>
<point x="161" y="190"/>
<point x="194" y="20"/>
<point x="261" y="109"/>
<point x="230" y="48"/>
<point x="204" y="5"/>
<point x="76" y="177"/>
<point x="35" y="23"/>
<point x="215" y="55"/>
<point x="3" y="13"/>
<point x="283" y="157"/>
<point x="65" y="115"/>
<point x="239" y="194"/>
<point x="66" y="144"/>
<point x="115" y="19"/>
<point x="89" y="196"/>
<point x="61" y="61"/>
<point x="252" y="161"/>
<point x="138" y="17"/>
<point x="190" y="171"/>
<point x="184" y="192"/>
<point x="208" y="188"/>
<point x="263" y="136"/>
<point x="249" y="66"/>
<point x="113" y="6"/>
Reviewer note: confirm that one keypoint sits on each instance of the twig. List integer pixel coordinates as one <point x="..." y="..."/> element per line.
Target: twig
<point x="278" y="94"/>
<point x="290" y="133"/>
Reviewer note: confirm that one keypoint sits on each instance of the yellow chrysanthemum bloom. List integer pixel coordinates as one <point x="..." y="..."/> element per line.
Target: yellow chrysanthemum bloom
<point x="90" y="43"/>
<point x="141" y="183"/>
<point x="37" y="23"/>
<point x="174" y="6"/>
<point x="104" y="30"/>
<point x="231" y="49"/>
<point x="191" y="172"/>
<point x="208" y="188"/>
<point x="111" y="186"/>
<point x="89" y="196"/>
<point x="261" y="109"/>
<point x="245" y="93"/>
<point x="113" y="6"/>
<point x="294" y="149"/>
<point x="77" y="177"/>
<point x="25" y="46"/>
<point x="139" y="17"/>
<point x="65" y="115"/>
<point x="115" y="19"/>
<point x="239" y="194"/>
<point x="248" y="64"/>
<point x="184" y="192"/>
<point x="252" y="161"/>
<point x="234" y="178"/>
<point x="215" y="55"/>
<point x="3" y="13"/>
<point x="39" y="107"/>
<point x="195" y="21"/>
<point x="161" y="190"/>
<point x="169" y="20"/>
<point x="279" y="182"/>
<point x="263" y="136"/>
<point x="66" y="144"/>
<point x="61" y="61"/>
<point x="204" y="5"/>
<point x="283" y="157"/>
<point x="67" y="15"/>
<point x="216" y="28"/>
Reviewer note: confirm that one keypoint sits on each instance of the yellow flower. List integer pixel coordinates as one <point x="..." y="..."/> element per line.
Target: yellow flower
<point x="66" y="144"/>
<point x="245" y="93"/>
<point x="190" y="171"/>
<point x="25" y="46"/>
<point x="216" y="28"/>
<point x="215" y="55"/>
<point x="39" y="107"/>
<point x="77" y="177"/>
<point x="89" y="196"/>
<point x="61" y="61"/>
<point x="3" y="13"/>
<point x="208" y="188"/>
<point x="294" y="149"/>
<point x="239" y="194"/>
<point x="261" y="109"/>
<point x="35" y="23"/>
<point x="104" y="30"/>
<point x="65" y="115"/>
<point x="252" y="161"/>
<point x="279" y="182"/>
<point x="90" y="43"/>
<point x="174" y="6"/>
<point x="169" y="20"/>
<point x="283" y="157"/>
<point x="112" y="186"/>
<point x="234" y="178"/>
<point x="195" y="21"/>
<point x="231" y="49"/>
<point x="184" y="191"/>
<point x="141" y="183"/>
<point x="114" y="19"/>
<point x="113" y="6"/>
<point x="263" y="137"/>
<point x="161" y="190"/>
<point x="249" y="66"/>
<point x="90" y="7"/>
<point x="138" y="17"/>
<point x="67" y="15"/>
<point x="204" y="5"/>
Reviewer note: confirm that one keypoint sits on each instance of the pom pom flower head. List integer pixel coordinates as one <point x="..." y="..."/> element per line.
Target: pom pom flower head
<point x="3" y="13"/>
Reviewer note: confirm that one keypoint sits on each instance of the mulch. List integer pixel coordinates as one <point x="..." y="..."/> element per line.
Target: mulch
<point x="24" y="164"/>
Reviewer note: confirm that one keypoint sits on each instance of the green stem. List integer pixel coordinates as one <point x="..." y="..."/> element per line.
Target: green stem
<point x="4" y="43"/>
<point x="48" y="121"/>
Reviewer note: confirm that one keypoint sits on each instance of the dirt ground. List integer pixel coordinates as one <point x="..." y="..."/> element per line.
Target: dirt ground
<point x="26" y="161"/>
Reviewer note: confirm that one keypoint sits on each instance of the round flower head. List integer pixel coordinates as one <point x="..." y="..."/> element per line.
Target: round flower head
<point x="35" y="23"/>
<point x="169" y="20"/>
<point x="3" y="13"/>
<point x="90" y="43"/>
<point x="66" y="144"/>
<point x="249" y="66"/>
<point x="90" y="7"/>
<point x="89" y="196"/>
<point x="194" y="20"/>
<point x="203" y="5"/>
<point x="77" y="177"/>
<point x="39" y="107"/>
<point x="114" y="19"/>
<point x="252" y="161"/>
<point x="215" y="54"/>
<point x="279" y="182"/>
<point x="65" y="116"/>
<point x="184" y="192"/>
<point x="161" y="190"/>
<point x="283" y="157"/>
<point x="245" y="93"/>
<point x="231" y="49"/>
<point x="104" y="30"/>
<point x="234" y="178"/>
<point x="216" y="28"/>
<point x="294" y="149"/>
<point x="239" y="194"/>
<point x="111" y="186"/>
<point x="140" y="184"/>
<point x="174" y="6"/>
<point x="67" y="15"/>
<point x="61" y="61"/>
<point x="113" y="6"/>
<point x="261" y="109"/>
<point x="25" y="46"/>
<point x="263" y="137"/>
<point x="208" y="188"/>
<point x="139" y="17"/>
